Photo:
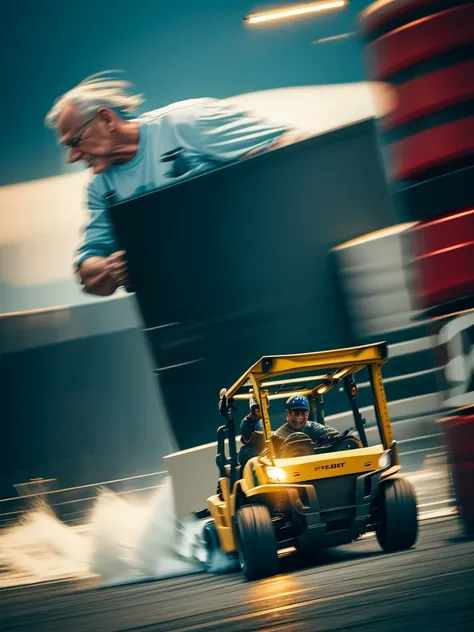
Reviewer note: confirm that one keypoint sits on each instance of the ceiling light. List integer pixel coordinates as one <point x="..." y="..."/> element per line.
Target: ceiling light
<point x="289" y="12"/>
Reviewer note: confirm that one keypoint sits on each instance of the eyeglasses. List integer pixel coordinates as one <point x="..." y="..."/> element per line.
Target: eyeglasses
<point x="77" y="138"/>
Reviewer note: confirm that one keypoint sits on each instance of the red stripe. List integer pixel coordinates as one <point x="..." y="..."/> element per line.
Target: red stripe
<point x="431" y="93"/>
<point x="445" y="232"/>
<point x="445" y="275"/>
<point x="421" y="40"/>
<point x="385" y="11"/>
<point x="432" y="148"/>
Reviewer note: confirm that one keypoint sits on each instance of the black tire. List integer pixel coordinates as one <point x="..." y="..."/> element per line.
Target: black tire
<point x="398" y="527"/>
<point x="258" y="552"/>
<point x="211" y="540"/>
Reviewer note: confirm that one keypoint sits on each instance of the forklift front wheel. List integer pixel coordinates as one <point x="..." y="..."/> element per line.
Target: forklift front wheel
<point x="258" y="552"/>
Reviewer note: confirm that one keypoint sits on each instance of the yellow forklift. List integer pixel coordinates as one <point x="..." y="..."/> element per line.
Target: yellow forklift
<point x="296" y="493"/>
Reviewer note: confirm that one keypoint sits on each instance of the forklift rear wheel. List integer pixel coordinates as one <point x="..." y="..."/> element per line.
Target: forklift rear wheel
<point x="211" y="540"/>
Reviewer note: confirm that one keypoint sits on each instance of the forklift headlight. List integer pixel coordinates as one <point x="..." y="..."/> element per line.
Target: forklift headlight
<point x="385" y="460"/>
<point x="276" y="474"/>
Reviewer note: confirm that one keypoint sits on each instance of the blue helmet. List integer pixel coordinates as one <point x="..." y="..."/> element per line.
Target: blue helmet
<point x="299" y="402"/>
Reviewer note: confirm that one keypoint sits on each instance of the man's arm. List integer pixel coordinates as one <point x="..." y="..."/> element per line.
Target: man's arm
<point x="321" y="433"/>
<point x="225" y="133"/>
<point x="247" y="428"/>
<point x="100" y="264"/>
<point x="287" y="138"/>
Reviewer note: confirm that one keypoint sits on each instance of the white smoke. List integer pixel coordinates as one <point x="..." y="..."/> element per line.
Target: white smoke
<point x="126" y="540"/>
<point x="41" y="548"/>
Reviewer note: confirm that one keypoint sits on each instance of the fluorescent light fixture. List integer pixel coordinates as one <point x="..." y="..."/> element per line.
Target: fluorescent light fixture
<point x="333" y="38"/>
<point x="289" y="12"/>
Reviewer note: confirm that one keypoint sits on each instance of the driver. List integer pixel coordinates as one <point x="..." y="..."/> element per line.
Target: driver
<point x="297" y="413"/>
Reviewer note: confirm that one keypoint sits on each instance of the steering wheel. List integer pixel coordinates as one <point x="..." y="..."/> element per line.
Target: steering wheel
<point x="346" y="442"/>
<point x="296" y="444"/>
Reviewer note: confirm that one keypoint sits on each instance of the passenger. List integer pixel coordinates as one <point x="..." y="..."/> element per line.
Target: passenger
<point x="253" y="440"/>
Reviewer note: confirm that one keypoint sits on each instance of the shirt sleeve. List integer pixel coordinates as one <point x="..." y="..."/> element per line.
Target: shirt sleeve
<point x="223" y="132"/>
<point x="247" y="428"/>
<point x="98" y="240"/>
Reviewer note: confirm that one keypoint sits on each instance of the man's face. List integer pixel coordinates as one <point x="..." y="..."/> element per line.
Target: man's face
<point x="297" y="418"/>
<point x="87" y="137"/>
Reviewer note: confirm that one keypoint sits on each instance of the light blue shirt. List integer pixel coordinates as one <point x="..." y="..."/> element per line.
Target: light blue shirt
<point x="175" y="143"/>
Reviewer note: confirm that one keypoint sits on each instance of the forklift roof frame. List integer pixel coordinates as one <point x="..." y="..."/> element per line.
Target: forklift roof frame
<point x="344" y="362"/>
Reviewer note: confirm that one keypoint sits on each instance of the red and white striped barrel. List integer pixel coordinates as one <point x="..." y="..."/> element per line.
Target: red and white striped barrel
<point x="424" y="49"/>
<point x="443" y="257"/>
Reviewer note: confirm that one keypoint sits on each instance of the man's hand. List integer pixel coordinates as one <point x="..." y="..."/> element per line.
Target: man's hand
<point x="116" y="268"/>
<point x="104" y="275"/>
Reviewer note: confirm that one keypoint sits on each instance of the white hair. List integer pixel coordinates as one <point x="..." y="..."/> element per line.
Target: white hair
<point x="101" y="90"/>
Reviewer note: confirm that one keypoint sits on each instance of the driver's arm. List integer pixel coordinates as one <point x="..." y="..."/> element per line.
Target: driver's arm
<point x="320" y="433"/>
